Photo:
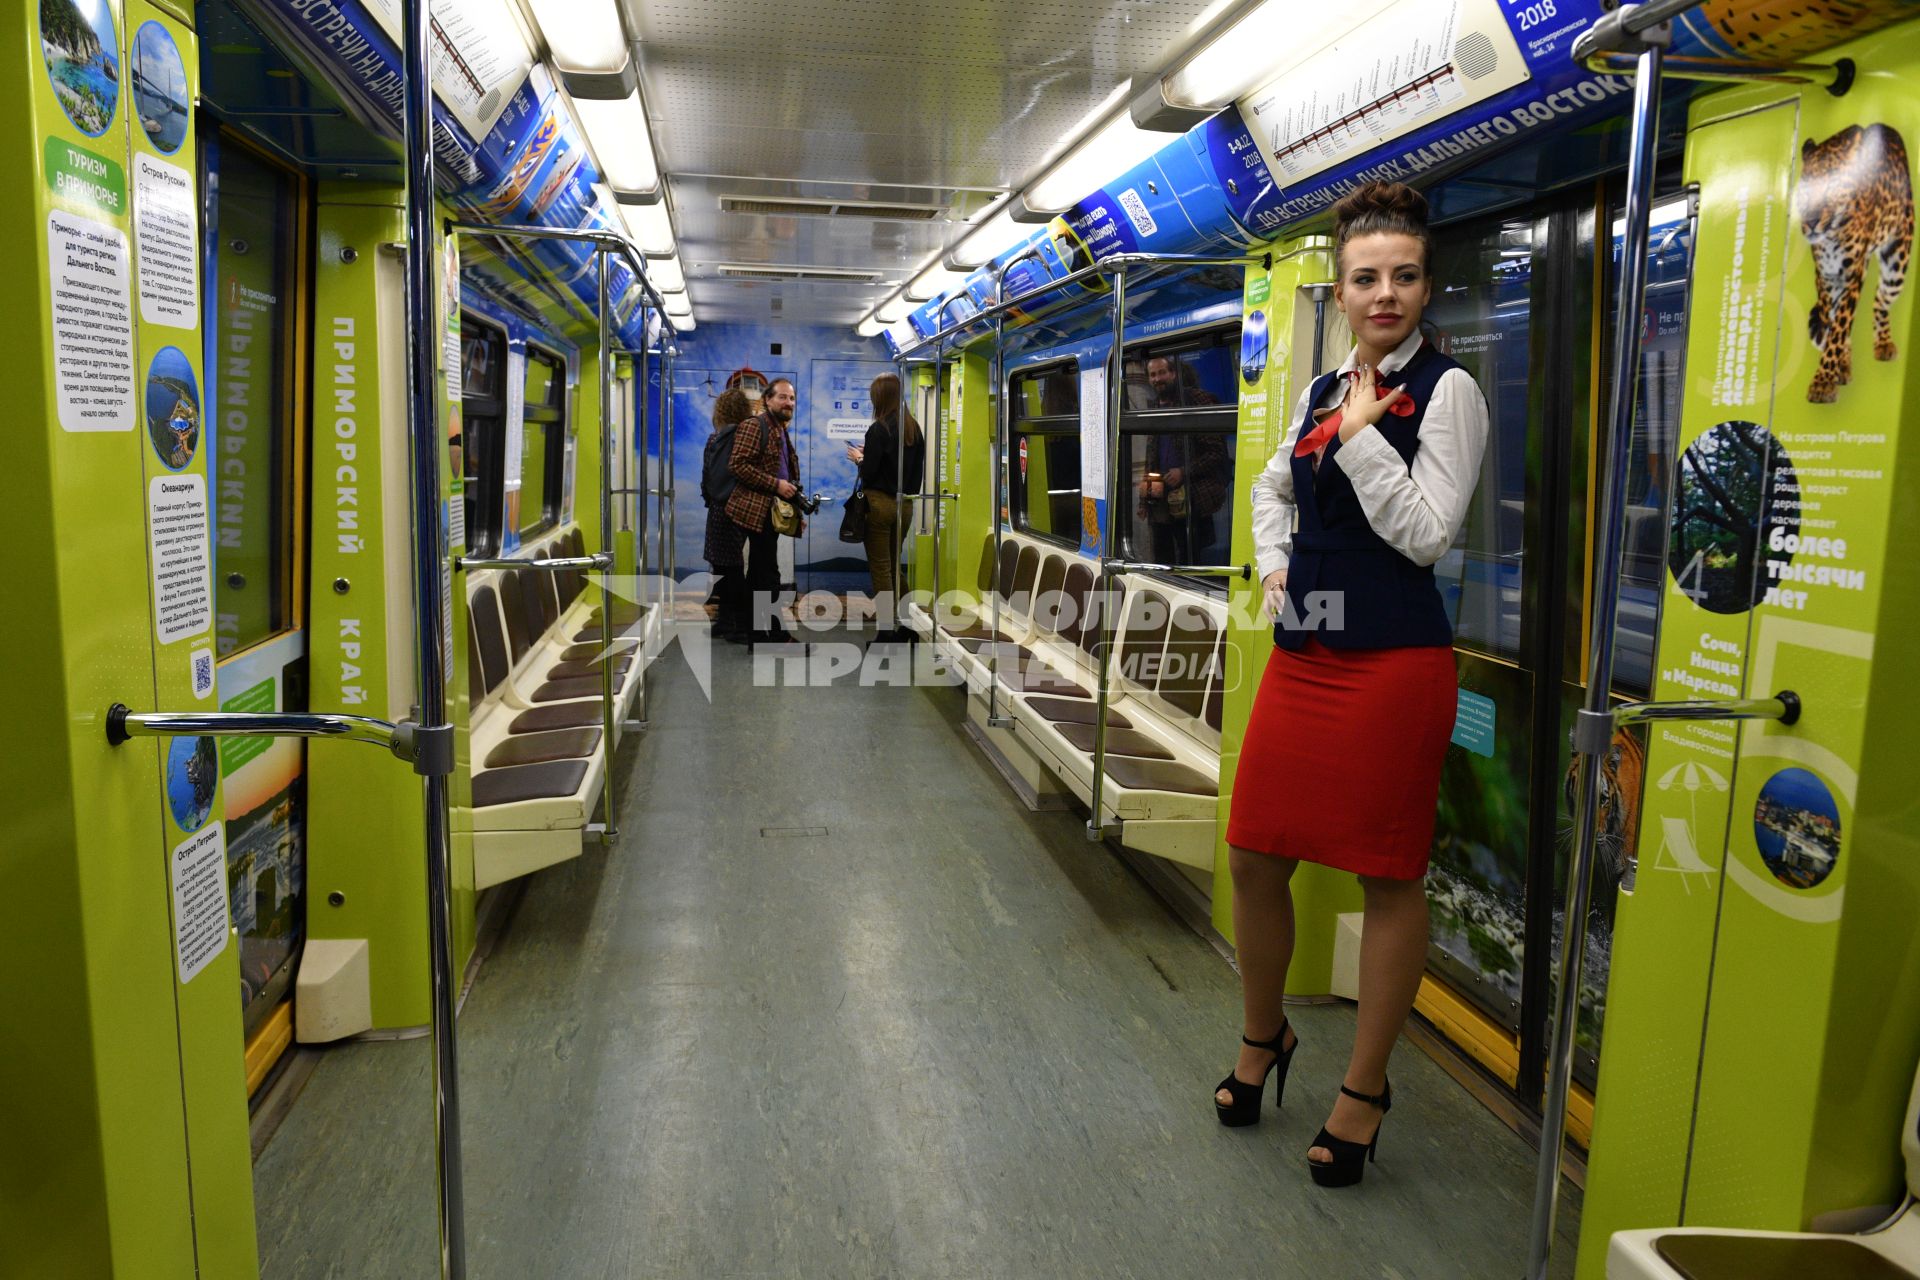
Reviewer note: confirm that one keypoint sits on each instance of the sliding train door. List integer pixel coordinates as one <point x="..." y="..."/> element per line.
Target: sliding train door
<point x="1523" y="301"/>
<point x="255" y="299"/>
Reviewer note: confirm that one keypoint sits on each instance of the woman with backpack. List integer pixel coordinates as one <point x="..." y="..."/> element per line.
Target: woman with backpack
<point x="726" y="545"/>
<point x="882" y="469"/>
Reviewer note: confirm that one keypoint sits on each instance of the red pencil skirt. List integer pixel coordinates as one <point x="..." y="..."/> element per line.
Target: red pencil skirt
<point x="1341" y="763"/>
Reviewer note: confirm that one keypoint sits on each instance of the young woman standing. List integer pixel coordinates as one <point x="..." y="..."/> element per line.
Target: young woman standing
<point x="1350" y="726"/>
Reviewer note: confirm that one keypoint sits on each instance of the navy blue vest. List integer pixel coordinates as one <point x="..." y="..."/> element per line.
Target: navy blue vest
<point x="1339" y="564"/>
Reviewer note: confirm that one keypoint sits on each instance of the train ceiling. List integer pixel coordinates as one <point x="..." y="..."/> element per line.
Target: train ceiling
<point x="860" y="136"/>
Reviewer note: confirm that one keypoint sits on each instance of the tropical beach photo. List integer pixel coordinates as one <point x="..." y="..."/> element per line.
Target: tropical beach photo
<point x="83" y="60"/>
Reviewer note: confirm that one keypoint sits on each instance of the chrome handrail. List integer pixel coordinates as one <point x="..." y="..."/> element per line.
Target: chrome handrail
<point x="432" y="626"/>
<point x="599" y="561"/>
<point x="1116" y="392"/>
<point x="1241" y="571"/>
<point x="1612" y="46"/>
<point x="612" y="241"/>
<point x="1109" y="265"/>
<point x="403" y="740"/>
<point x="998" y="473"/>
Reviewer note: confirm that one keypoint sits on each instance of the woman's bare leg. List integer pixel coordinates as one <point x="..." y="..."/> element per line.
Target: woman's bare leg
<point x="1393" y="957"/>
<point x="1263" y="940"/>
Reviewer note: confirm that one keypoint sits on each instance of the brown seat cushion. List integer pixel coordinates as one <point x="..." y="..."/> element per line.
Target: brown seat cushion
<point x="591" y="652"/>
<point x="591" y="634"/>
<point x="538" y="748"/>
<point x="1715" y="1257"/>
<point x="1074" y="711"/>
<point x="565" y="690"/>
<point x="625" y="612"/>
<point x="528" y="782"/>
<point x="1006" y="649"/>
<point x="587" y="667"/>
<point x="1120" y="742"/>
<point x="1037" y="679"/>
<point x="1160" y="775"/>
<point x="560" y="715"/>
<point x="976" y="632"/>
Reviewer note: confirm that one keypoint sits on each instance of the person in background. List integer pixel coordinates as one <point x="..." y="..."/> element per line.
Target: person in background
<point x="1185" y="476"/>
<point x="884" y="464"/>
<point x="764" y="467"/>
<point x="726" y="544"/>
<point x="1343" y="752"/>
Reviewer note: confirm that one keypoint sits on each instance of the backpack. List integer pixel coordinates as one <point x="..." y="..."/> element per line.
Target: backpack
<point x="716" y="471"/>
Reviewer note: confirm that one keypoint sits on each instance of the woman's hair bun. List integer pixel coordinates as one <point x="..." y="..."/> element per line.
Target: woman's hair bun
<point x="1382" y="208"/>
<point x="1387" y="201"/>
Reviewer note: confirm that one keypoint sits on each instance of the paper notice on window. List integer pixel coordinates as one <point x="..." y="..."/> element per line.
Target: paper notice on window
<point x="182" y="558"/>
<point x="165" y="243"/>
<point x="516" y="421"/>
<point x="479" y="58"/>
<point x="92" y="323"/>
<point x="1093" y="433"/>
<point x="199" y="875"/>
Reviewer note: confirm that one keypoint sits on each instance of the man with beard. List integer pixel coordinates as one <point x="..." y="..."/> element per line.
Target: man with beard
<point x="1184" y="477"/>
<point x="765" y="466"/>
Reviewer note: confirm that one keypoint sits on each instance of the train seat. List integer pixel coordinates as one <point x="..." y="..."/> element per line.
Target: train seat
<point x="1890" y="1251"/>
<point x="533" y="609"/>
<point x="539" y="748"/>
<point x="1166" y="685"/>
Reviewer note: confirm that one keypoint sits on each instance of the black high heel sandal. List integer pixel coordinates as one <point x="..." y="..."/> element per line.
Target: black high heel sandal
<point x="1349" y="1163"/>
<point x="1245" y="1107"/>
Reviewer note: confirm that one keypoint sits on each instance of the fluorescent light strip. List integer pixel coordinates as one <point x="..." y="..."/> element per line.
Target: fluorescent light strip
<point x="1269" y="40"/>
<point x="985" y="242"/>
<point x="621" y="141"/>
<point x="871" y="327"/>
<point x="583" y="35"/>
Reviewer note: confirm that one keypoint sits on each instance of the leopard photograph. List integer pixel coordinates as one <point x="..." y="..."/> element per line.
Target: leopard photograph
<point x="1855" y="202"/>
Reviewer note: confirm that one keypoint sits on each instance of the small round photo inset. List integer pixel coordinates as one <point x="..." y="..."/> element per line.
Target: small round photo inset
<point x="173" y="408"/>
<point x="1797" y="826"/>
<point x="79" y="41"/>
<point x="193" y="771"/>
<point x="1737" y="488"/>
<point x="160" y="87"/>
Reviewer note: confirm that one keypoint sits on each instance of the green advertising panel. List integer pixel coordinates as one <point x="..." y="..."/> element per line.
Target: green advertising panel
<point x="1760" y="949"/>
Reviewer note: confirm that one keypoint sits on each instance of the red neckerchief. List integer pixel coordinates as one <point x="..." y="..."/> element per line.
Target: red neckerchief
<point x="1326" y="422"/>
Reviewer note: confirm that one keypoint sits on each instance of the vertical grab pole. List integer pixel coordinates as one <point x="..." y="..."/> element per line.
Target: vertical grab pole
<point x="643" y="416"/>
<point x="940" y="467"/>
<point x="1598" y="715"/>
<point x="996" y="472"/>
<point x="669" y="512"/>
<point x="899" y="504"/>
<point x="1116" y="390"/>
<point x="430" y="624"/>
<point x="609" y="441"/>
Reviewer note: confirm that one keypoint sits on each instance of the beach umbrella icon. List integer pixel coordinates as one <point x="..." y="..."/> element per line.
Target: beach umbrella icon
<point x="1680" y="844"/>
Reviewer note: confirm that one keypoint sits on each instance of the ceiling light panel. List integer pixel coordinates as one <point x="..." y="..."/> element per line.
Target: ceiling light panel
<point x="666" y="275"/>
<point x="995" y="234"/>
<point x="1275" y="36"/>
<point x="1109" y="151"/>
<point x="621" y="141"/>
<point x="650" y="226"/>
<point x="582" y="35"/>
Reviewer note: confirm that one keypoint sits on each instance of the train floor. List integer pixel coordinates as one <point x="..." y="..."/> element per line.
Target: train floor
<point x="838" y="1005"/>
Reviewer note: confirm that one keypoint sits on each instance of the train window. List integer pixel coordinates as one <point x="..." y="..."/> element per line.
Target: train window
<point x="1482" y="316"/>
<point x="1043" y="486"/>
<point x="542" y="443"/>
<point x="1177" y="432"/>
<point x="481" y="441"/>
<point x="252" y="371"/>
<point x="1656" y="429"/>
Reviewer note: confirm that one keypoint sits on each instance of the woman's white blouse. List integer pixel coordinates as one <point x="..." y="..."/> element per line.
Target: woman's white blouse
<point x="1417" y="510"/>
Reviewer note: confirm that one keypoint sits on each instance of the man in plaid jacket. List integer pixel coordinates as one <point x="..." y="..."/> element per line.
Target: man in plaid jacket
<point x="764" y="466"/>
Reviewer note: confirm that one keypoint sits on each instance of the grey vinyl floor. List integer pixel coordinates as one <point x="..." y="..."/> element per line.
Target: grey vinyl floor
<point x="837" y="1005"/>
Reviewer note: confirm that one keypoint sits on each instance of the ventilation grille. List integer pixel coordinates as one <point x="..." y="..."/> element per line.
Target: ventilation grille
<point x="845" y="275"/>
<point x="830" y="209"/>
<point x="1475" y="55"/>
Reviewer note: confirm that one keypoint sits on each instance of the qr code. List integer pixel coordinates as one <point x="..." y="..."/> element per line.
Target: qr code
<point x="202" y="666"/>
<point x="1137" y="210"/>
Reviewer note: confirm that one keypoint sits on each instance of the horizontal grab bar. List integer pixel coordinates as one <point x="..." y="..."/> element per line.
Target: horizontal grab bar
<point x="428" y="750"/>
<point x="1593" y="731"/>
<point x="1241" y="571"/>
<point x="1612" y="47"/>
<point x="557" y="564"/>
<point x="942" y="496"/>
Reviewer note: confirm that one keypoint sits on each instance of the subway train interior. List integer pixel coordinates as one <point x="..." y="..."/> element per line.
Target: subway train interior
<point x="697" y="636"/>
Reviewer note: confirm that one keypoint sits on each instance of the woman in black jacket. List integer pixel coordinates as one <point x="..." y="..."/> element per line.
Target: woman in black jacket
<point x="881" y="476"/>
